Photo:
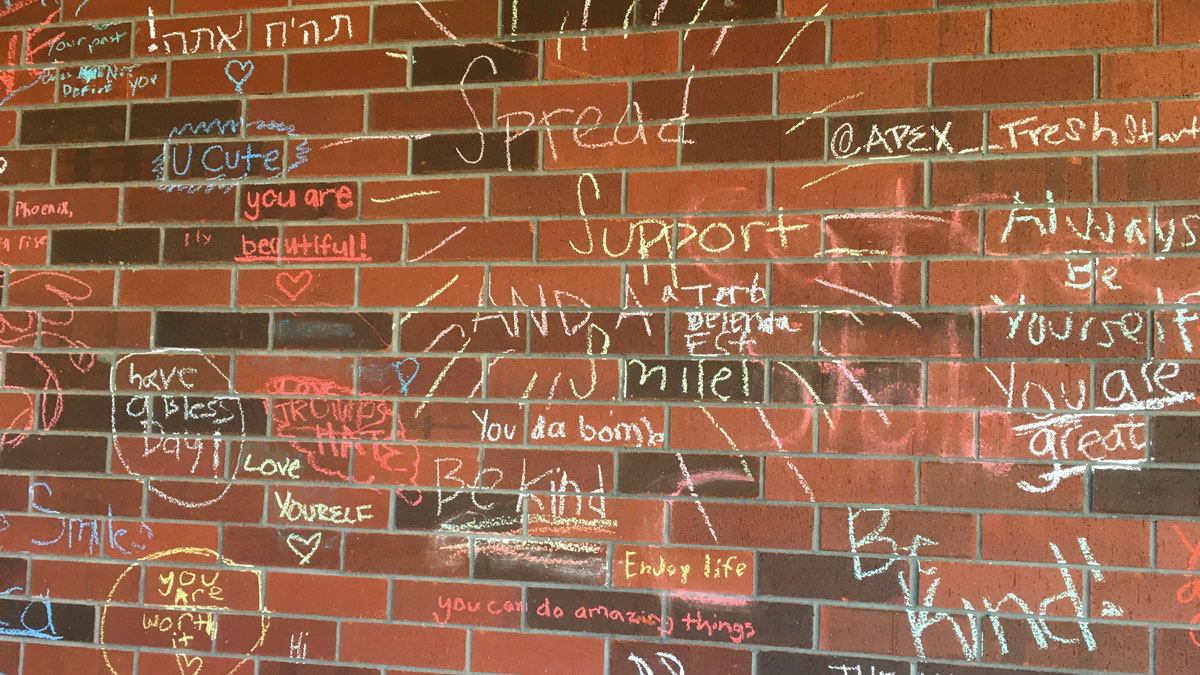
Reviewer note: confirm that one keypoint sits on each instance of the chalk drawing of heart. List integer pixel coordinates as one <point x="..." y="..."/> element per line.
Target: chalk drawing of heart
<point x="293" y="285"/>
<point x="189" y="665"/>
<point x="406" y="382"/>
<point x="246" y="68"/>
<point x="312" y="544"/>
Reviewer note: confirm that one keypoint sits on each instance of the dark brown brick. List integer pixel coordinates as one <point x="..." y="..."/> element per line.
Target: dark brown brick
<point x="936" y="668"/>
<point x="247" y="416"/>
<point x="500" y="514"/>
<point x="702" y="380"/>
<point x="103" y="247"/>
<point x="686" y="11"/>
<point x="549" y="16"/>
<point x="359" y="331"/>
<point x="757" y="141"/>
<point x="1162" y="492"/>
<point x="755" y="622"/>
<point x="164" y="120"/>
<point x="791" y="662"/>
<point x="14" y="492"/>
<point x="73" y="453"/>
<point x="710" y="475"/>
<point x="219" y="330"/>
<point x="25" y="371"/>
<point x="888" y="383"/>
<point x="71" y="622"/>
<point x="810" y="575"/>
<point x="379" y="553"/>
<point x="106" y="164"/>
<point x="73" y="125"/>
<point x="12" y="572"/>
<point x="151" y="205"/>
<point x="447" y="64"/>
<point x="1175" y="439"/>
<point x="211" y="244"/>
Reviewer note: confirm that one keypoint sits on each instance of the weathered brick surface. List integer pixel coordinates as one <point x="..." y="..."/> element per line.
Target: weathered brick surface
<point x="612" y="337"/>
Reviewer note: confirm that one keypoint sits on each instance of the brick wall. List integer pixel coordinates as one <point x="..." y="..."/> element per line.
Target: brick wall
<point x="629" y="337"/>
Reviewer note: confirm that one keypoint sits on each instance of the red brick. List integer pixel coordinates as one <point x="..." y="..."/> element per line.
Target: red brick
<point x="987" y="385"/>
<point x="850" y="186"/>
<point x="748" y="525"/>
<point x="863" y="88"/>
<point x="311" y="114"/>
<point x="283" y="288"/>
<point x="956" y="532"/>
<point x="206" y="77"/>
<point x="811" y="7"/>
<point x="827" y="284"/>
<point x="908" y="36"/>
<point x="1022" y="538"/>
<point x="613" y="55"/>
<point x="760" y="46"/>
<point x="368" y="156"/>
<point x="713" y="96"/>
<point x="159" y="287"/>
<point x="78" y="580"/>
<point x="520" y="654"/>
<point x="978" y="282"/>
<point x="423" y="198"/>
<point x="1178" y="22"/>
<point x="1148" y="177"/>
<point x="362" y="69"/>
<point x="890" y="481"/>
<point x="994" y="485"/>
<point x="996" y="181"/>
<point x="556" y="195"/>
<point x="896" y="334"/>
<point x="453" y="242"/>
<point x="406" y="22"/>
<point x="417" y="646"/>
<point x="904" y="432"/>
<point x="1174" y="73"/>
<point x="697" y="191"/>
<point x="1051" y="78"/>
<point x="1111" y="24"/>
<point x="902" y="233"/>
<point x="351" y="597"/>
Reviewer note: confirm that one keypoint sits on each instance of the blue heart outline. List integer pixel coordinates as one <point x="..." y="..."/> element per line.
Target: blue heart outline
<point x="247" y="66"/>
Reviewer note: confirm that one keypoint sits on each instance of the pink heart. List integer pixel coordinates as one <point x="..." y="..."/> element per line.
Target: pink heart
<point x="293" y="285"/>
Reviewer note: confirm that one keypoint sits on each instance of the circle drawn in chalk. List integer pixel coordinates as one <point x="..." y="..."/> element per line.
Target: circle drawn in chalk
<point x="217" y="558"/>
<point x="148" y="395"/>
<point x="3" y="164"/>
